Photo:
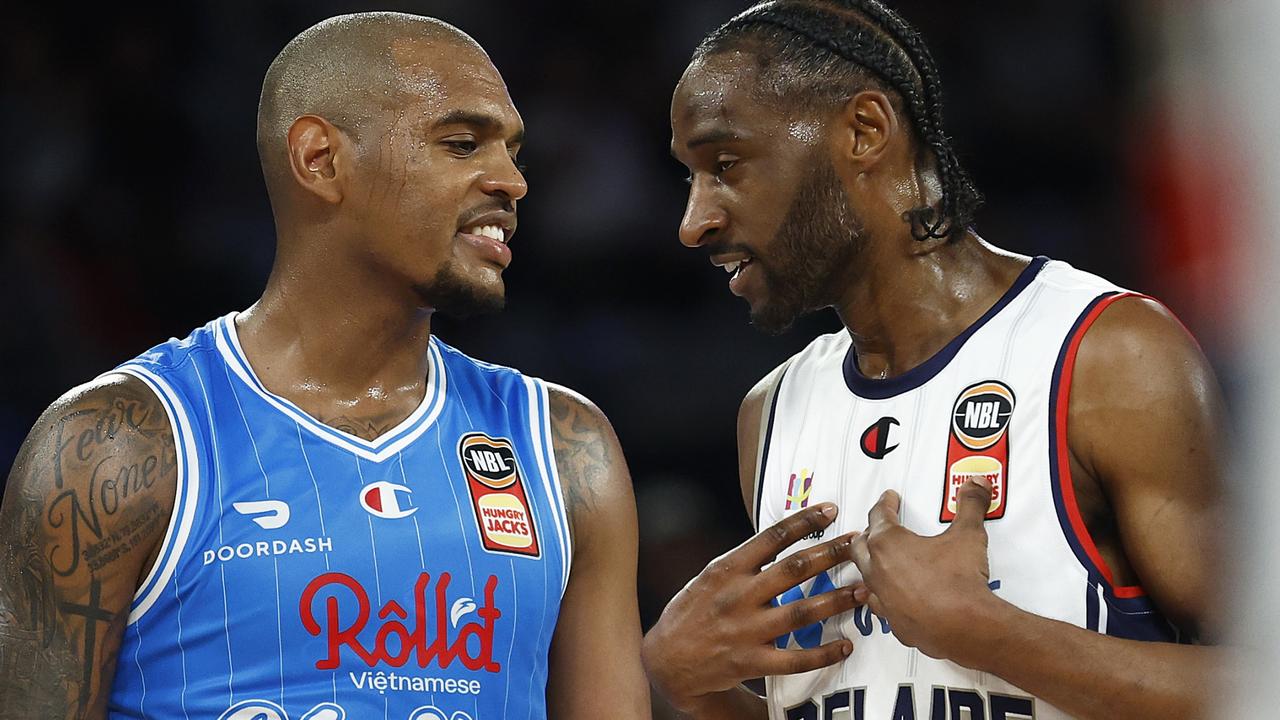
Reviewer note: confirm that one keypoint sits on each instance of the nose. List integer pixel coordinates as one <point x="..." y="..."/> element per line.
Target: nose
<point x="702" y="217"/>
<point x="507" y="180"/>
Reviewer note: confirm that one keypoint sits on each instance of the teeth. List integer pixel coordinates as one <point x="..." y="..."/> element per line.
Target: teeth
<point x="490" y="231"/>
<point x="732" y="267"/>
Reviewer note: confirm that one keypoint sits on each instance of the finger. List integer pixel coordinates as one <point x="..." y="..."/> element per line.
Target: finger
<point x="860" y="553"/>
<point x="800" y="566"/>
<point x="768" y="543"/>
<point x="803" y="613"/>
<point x="884" y="514"/>
<point x="972" y="504"/>
<point x="873" y="603"/>
<point x="771" y="661"/>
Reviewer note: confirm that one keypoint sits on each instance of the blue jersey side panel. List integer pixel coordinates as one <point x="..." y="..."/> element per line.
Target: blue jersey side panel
<point x="310" y="574"/>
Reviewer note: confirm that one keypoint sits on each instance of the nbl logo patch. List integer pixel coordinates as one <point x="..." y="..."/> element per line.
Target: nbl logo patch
<point x="501" y="504"/>
<point x="979" y="445"/>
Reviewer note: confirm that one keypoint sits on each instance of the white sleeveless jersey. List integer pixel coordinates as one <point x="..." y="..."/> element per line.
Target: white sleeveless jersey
<point x="993" y="402"/>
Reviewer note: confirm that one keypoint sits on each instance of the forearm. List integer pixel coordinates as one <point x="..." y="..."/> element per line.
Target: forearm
<point x="1093" y="676"/>
<point x="734" y="704"/>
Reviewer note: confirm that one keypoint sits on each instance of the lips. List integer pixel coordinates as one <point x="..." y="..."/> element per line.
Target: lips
<point x="738" y="265"/>
<point x="489" y="234"/>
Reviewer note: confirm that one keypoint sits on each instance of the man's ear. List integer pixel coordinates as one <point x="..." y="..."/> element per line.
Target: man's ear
<point x="317" y="152"/>
<point x="865" y="128"/>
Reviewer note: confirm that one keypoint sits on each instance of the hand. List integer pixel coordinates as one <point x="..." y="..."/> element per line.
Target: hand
<point x="932" y="590"/>
<point x="719" y="630"/>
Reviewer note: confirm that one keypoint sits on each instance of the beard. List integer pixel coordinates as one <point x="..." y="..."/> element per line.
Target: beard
<point x="453" y="293"/>
<point x="818" y="240"/>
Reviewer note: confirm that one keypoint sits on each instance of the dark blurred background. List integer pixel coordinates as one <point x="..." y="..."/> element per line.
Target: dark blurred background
<point x="134" y="208"/>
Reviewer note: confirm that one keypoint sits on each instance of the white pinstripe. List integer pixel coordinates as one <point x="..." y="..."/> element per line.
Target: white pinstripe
<point x="275" y="563"/>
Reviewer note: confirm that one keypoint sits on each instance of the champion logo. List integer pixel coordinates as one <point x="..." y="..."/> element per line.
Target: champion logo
<point x="387" y="500"/>
<point x="275" y="513"/>
<point x="875" y="439"/>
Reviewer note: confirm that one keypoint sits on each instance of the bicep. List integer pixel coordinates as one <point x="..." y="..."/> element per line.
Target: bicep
<point x="595" y="654"/>
<point x="752" y="428"/>
<point x="85" y="505"/>
<point x="1147" y="420"/>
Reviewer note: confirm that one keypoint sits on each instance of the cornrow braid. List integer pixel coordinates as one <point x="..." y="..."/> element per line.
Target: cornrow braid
<point x="873" y="38"/>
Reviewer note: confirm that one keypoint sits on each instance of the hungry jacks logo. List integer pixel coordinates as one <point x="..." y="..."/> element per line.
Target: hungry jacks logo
<point x="498" y="496"/>
<point x="979" y="445"/>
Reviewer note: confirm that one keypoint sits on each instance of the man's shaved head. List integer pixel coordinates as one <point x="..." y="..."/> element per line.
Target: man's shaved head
<point x="346" y="69"/>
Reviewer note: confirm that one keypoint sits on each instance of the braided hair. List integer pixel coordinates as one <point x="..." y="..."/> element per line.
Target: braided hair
<point x="815" y="53"/>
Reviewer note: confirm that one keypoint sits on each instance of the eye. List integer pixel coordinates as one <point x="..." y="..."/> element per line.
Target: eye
<point x="688" y="179"/>
<point x="462" y="147"/>
<point x="724" y="163"/>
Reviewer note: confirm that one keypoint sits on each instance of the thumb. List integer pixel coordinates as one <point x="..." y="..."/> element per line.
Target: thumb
<point x="972" y="503"/>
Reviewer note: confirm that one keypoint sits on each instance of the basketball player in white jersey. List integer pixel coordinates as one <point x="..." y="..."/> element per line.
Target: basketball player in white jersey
<point x="995" y="493"/>
<point x="170" y="493"/>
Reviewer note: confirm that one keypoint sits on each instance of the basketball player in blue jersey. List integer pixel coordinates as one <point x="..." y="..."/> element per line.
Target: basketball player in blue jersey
<point x="1037" y="452"/>
<point x="314" y="509"/>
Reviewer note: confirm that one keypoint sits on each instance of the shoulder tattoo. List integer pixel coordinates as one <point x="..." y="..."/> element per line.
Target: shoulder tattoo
<point x="84" y="505"/>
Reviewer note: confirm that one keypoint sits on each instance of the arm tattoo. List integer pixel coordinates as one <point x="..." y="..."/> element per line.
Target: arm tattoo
<point x="582" y="453"/>
<point x="85" y="506"/>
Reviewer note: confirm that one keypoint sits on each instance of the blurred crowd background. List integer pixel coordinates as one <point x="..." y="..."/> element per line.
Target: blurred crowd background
<point x="134" y="208"/>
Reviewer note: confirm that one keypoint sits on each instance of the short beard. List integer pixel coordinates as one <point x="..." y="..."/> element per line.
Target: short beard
<point x="818" y="240"/>
<point x="454" y="294"/>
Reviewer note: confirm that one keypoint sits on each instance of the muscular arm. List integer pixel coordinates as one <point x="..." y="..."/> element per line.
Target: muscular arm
<point x="85" y="508"/>
<point x="1145" y="425"/>
<point x="595" y="655"/>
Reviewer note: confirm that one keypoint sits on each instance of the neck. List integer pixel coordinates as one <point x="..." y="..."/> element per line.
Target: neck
<point x="337" y="329"/>
<point x="901" y="309"/>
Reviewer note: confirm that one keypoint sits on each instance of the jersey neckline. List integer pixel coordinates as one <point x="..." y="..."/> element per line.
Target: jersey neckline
<point x="380" y="448"/>
<point x="876" y="389"/>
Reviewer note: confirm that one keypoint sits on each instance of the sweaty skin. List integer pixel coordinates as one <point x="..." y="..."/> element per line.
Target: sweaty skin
<point x="373" y="212"/>
<point x="1144" y="426"/>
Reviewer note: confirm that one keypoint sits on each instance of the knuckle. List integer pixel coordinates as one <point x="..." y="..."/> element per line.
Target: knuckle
<point x="777" y="534"/>
<point x="799" y="616"/>
<point x="797" y="566"/>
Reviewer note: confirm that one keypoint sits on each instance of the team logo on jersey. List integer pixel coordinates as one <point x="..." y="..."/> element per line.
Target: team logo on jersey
<point x="979" y="445"/>
<point x="271" y="514"/>
<point x="875" y="439"/>
<point x="798" y="489"/>
<point x="387" y="500"/>
<point x="499" y="499"/>
<point x="810" y="636"/>
<point x="430" y="712"/>
<point x="420" y="634"/>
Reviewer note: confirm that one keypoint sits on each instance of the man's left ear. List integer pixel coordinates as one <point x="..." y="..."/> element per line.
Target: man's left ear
<point x="865" y="128"/>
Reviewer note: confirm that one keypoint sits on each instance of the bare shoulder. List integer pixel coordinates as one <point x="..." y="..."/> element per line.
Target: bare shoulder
<point x="1138" y="363"/>
<point x="85" y="507"/>
<point x="593" y="472"/>
<point x="751" y="428"/>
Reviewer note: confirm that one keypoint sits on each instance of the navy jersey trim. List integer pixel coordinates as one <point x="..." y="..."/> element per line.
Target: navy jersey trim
<point x="187" y="493"/>
<point x="764" y="451"/>
<point x="1120" y="611"/>
<point x="875" y="389"/>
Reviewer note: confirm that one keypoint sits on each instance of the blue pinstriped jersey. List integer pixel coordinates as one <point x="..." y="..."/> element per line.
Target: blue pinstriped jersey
<point x="310" y="574"/>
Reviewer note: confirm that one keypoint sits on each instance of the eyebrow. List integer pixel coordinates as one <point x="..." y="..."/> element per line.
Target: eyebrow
<point x="477" y="120"/>
<point x="715" y="135"/>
